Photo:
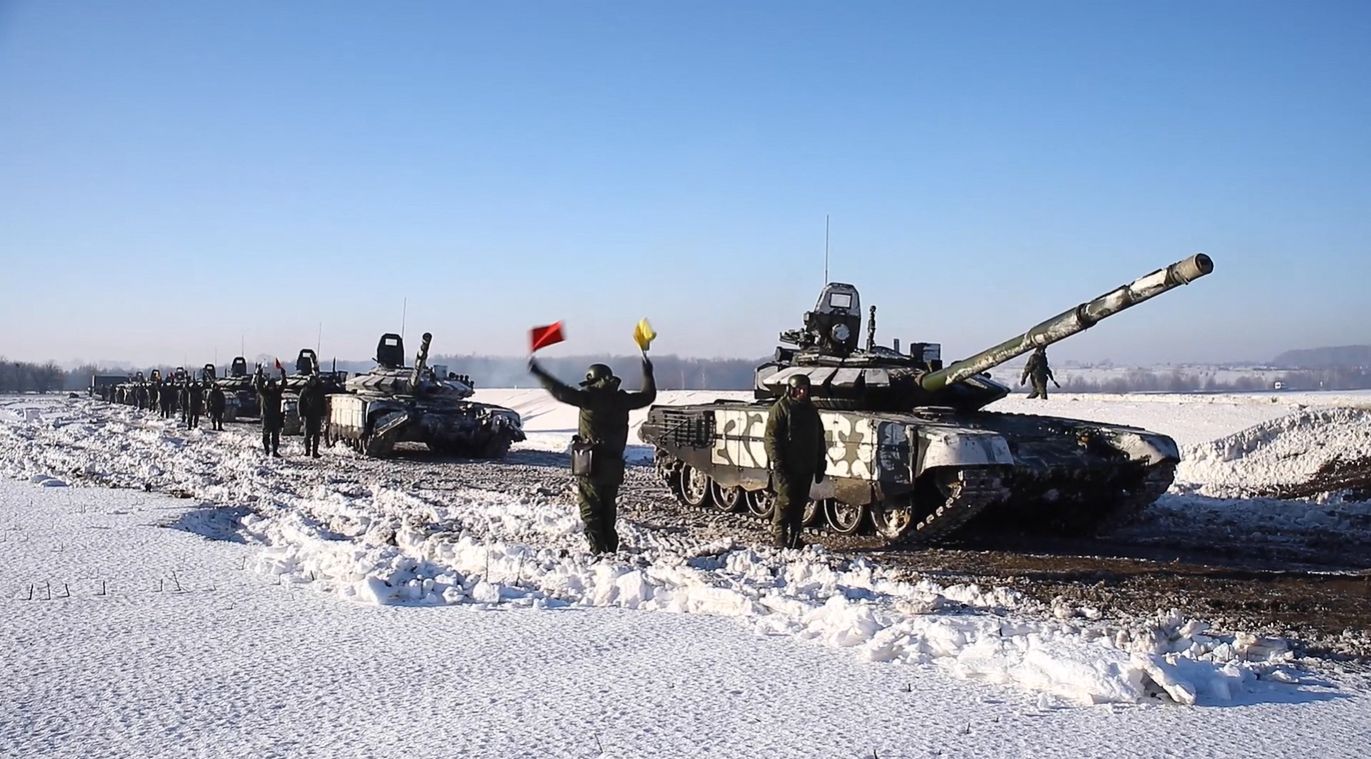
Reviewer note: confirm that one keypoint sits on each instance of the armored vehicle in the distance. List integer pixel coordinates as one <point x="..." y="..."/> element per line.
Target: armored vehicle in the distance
<point x="912" y="455"/>
<point x="393" y="403"/>
<point x="239" y="393"/>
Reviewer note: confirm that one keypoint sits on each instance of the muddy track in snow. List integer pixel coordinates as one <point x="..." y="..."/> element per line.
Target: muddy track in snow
<point x="1308" y="593"/>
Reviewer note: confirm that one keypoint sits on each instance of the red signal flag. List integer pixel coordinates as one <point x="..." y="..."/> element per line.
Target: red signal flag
<point x="278" y="364"/>
<point x="541" y="337"/>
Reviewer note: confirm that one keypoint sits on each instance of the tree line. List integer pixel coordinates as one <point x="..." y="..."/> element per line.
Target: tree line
<point x="684" y="373"/>
<point x="26" y="377"/>
<point x="1179" y="381"/>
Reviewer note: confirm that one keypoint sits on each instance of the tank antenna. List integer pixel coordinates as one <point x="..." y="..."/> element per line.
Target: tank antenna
<point x="871" y="331"/>
<point x="404" y="308"/>
<point x="825" y="249"/>
<point x="319" y="341"/>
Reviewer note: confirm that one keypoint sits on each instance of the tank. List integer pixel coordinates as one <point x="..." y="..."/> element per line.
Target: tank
<point x="239" y="395"/>
<point x="393" y="403"/>
<point x="913" y="456"/>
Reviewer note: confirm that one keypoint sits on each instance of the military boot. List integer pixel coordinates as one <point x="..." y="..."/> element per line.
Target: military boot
<point x="779" y="536"/>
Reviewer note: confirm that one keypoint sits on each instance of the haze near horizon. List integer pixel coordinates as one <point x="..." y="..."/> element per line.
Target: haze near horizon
<point x="185" y="179"/>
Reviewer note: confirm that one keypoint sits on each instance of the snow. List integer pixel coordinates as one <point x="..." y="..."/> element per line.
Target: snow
<point x="348" y="610"/>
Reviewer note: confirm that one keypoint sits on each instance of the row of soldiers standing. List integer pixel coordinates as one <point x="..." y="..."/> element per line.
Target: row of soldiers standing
<point x="311" y="407"/>
<point x="194" y="397"/>
<point x="191" y="397"/>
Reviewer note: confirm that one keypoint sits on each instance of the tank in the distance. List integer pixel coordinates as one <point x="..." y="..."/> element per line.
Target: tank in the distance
<point x="913" y="455"/>
<point x="394" y="403"/>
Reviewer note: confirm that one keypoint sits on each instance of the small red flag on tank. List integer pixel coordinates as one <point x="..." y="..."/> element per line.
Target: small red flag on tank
<point x="541" y="337"/>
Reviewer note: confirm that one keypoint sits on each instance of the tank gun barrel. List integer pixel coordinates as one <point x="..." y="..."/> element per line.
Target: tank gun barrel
<point x="1075" y="320"/>
<point x="421" y="360"/>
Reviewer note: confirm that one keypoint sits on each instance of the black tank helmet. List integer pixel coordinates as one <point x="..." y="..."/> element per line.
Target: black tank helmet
<point x="596" y="374"/>
<point x="797" y="381"/>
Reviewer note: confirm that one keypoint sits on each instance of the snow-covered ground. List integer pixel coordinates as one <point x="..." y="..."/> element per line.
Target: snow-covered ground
<point x="357" y="608"/>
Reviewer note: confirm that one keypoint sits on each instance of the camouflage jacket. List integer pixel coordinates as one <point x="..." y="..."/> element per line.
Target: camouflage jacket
<point x="1037" y="368"/>
<point x="795" y="438"/>
<point x="271" y="399"/>
<point x="312" y="399"/>
<point x="604" y="407"/>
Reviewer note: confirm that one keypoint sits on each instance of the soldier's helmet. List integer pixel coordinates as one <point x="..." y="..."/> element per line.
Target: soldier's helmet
<point x="596" y="374"/>
<point x="797" y="381"/>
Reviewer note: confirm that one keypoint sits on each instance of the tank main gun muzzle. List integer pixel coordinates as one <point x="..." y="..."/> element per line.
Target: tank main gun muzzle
<point x="1075" y="320"/>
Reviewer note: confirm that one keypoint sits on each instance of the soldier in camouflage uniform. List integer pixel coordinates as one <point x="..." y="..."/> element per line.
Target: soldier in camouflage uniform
<point x="217" y="403"/>
<point x="603" y="422"/>
<point x="798" y="454"/>
<point x="1039" y="371"/>
<point x="269" y="392"/>
<point x="195" y="403"/>
<point x="311" y="407"/>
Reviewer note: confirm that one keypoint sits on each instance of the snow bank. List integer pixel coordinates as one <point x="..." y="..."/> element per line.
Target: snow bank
<point x="1288" y="451"/>
<point x="365" y="532"/>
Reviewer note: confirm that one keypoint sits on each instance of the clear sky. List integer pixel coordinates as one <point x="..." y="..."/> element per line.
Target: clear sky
<point x="180" y="177"/>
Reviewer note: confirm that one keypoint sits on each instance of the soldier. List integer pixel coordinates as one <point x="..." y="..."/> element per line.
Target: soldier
<point x="195" y="403"/>
<point x="166" y="395"/>
<point x="311" y="409"/>
<point x="183" y="398"/>
<point x="217" y="403"/>
<point x="269" y="394"/>
<point x="604" y="424"/>
<point x="798" y="454"/>
<point x="1038" y="369"/>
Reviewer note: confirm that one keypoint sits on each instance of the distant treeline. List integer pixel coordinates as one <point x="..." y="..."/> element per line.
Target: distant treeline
<point x="1178" y="381"/>
<point x="24" y="377"/>
<point x="672" y="372"/>
<point x="681" y="373"/>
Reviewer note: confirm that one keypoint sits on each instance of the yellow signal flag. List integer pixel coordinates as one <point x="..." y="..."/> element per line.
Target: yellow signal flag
<point x="643" y="334"/>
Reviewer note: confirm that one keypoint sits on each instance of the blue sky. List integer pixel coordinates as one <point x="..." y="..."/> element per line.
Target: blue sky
<point x="178" y="177"/>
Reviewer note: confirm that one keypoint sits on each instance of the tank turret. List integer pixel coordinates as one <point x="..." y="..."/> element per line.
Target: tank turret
<point x="885" y="379"/>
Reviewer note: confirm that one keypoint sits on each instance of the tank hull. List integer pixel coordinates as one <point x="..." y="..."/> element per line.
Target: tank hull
<point x="373" y="426"/>
<point x="923" y="475"/>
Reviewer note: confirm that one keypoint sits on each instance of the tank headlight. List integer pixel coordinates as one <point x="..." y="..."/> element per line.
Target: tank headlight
<point x="841" y="332"/>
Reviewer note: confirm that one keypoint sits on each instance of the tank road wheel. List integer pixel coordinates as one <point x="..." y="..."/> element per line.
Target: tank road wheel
<point x="892" y="520"/>
<point x="728" y="498"/>
<point x="695" y="486"/>
<point x="761" y="503"/>
<point x="844" y="518"/>
<point x="813" y="512"/>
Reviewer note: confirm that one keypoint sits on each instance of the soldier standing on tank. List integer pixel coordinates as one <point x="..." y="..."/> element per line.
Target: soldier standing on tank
<point x="269" y="393"/>
<point x="216" y="404"/>
<point x="311" y="407"/>
<point x="1039" y="371"/>
<point x="603" y="422"/>
<point x="798" y="454"/>
<point x="195" y="403"/>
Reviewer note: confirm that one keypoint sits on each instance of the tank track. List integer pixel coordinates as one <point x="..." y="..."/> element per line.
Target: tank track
<point x="1126" y="509"/>
<point x="967" y="494"/>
